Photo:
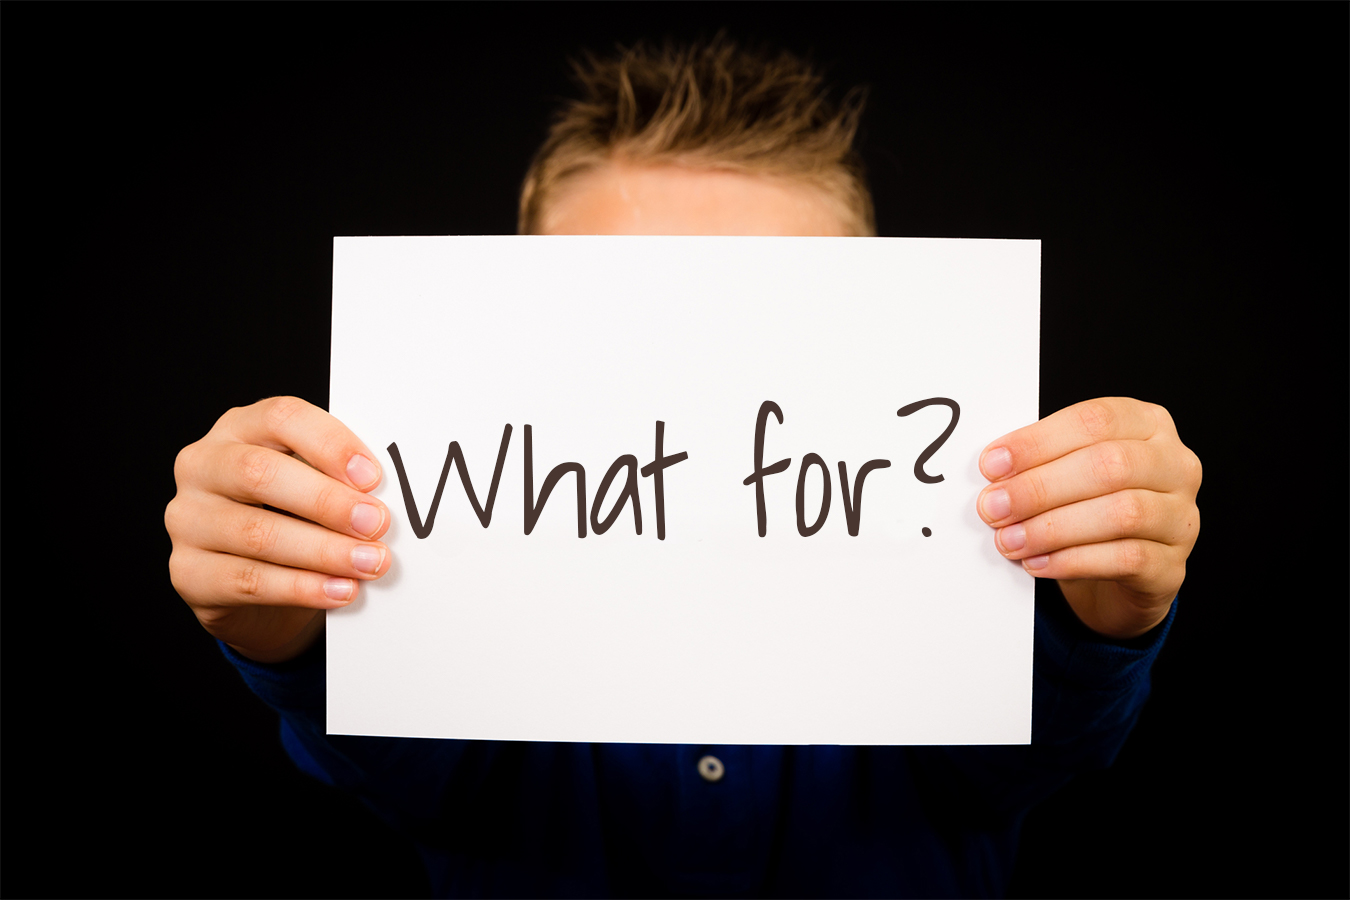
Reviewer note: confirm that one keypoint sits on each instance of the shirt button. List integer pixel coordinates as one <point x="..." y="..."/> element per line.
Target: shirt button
<point x="711" y="768"/>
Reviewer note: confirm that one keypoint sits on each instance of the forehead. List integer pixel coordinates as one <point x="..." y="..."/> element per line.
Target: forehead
<point x="623" y="198"/>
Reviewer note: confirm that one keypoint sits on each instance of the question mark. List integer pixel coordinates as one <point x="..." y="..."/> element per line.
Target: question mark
<point x="919" y="473"/>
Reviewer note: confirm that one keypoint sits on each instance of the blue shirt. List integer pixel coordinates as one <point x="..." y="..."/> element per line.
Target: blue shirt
<point x="500" y="818"/>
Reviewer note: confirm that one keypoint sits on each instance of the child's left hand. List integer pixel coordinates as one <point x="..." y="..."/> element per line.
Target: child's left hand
<point x="1101" y="497"/>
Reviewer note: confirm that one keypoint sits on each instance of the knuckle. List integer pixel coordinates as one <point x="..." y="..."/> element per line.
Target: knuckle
<point x="260" y="535"/>
<point x="1185" y="529"/>
<point x="185" y="463"/>
<point x="180" y="519"/>
<point x="1132" y="557"/>
<point x="1130" y="515"/>
<point x="1160" y="565"/>
<point x="1111" y="465"/>
<point x="1029" y="447"/>
<point x="333" y="448"/>
<point x="223" y="423"/>
<point x="173" y="517"/>
<point x="329" y="558"/>
<point x="248" y="581"/>
<point x="277" y="411"/>
<point x="302" y="586"/>
<point x="1037" y="490"/>
<point x="258" y="469"/>
<point x="1194" y="470"/>
<point x="210" y="616"/>
<point x="1164" y="418"/>
<point x="1097" y="419"/>
<point x="179" y="575"/>
<point x="329" y="502"/>
<point x="1043" y="532"/>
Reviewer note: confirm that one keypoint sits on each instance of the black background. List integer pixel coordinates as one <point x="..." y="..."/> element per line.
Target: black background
<point x="173" y="178"/>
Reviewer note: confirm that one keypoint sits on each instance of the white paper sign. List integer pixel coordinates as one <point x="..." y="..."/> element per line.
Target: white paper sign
<point x="597" y="349"/>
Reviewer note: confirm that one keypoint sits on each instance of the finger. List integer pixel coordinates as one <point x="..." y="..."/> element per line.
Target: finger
<point x="263" y="476"/>
<point x="1152" y="568"/>
<point x="1070" y="429"/>
<point x="292" y="425"/>
<point x="1094" y="471"/>
<point x="250" y="532"/>
<point x="1145" y="515"/>
<point x="213" y="579"/>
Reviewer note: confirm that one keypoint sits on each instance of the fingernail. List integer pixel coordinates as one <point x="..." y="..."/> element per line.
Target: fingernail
<point x="367" y="519"/>
<point x="1013" y="538"/>
<point x="996" y="505"/>
<point x="338" y="588"/>
<point x="362" y="472"/>
<point x="367" y="559"/>
<point x="1036" y="562"/>
<point x="997" y="463"/>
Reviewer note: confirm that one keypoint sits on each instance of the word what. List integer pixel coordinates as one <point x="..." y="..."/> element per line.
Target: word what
<point x="654" y="470"/>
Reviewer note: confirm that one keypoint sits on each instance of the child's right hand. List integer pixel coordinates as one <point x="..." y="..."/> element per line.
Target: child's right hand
<point x="256" y="577"/>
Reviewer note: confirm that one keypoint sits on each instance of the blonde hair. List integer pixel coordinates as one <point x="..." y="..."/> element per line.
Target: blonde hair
<point x="714" y="105"/>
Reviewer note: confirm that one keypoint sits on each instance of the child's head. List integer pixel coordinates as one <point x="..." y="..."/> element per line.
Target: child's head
<point x="713" y="108"/>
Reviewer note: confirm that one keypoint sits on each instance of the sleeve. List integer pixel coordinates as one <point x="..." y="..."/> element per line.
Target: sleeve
<point x="401" y="779"/>
<point x="506" y="818"/>
<point x="1087" y="694"/>
<point x="1088" y="690"/>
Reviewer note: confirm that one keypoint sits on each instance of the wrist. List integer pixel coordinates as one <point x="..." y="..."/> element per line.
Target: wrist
<point x="306" y="638"/>
<point x="1105" y="610"/>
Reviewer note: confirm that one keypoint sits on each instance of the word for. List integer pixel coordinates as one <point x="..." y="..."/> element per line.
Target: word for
<point x="852" y="504"/>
